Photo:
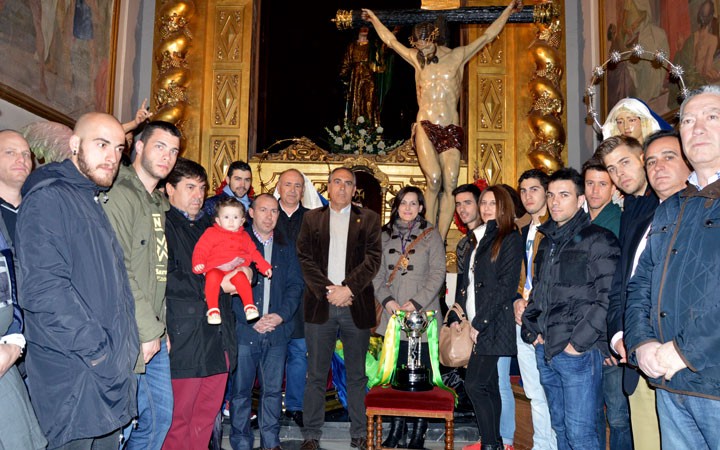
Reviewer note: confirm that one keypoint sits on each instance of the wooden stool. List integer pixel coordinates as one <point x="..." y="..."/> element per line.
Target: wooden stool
<point x="385" y="401"/>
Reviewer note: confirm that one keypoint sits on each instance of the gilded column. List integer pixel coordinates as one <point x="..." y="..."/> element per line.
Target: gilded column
<point x="546" y="90"/>
<point x="172" y="72"/>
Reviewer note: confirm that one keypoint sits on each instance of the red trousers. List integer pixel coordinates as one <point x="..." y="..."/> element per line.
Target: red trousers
<point x="213" y="279"/>
<point x="196" y="404"/>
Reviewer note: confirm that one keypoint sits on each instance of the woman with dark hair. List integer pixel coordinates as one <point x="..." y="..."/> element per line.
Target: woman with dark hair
<point x="411" y="275"/>
<point x="486" y="293"/>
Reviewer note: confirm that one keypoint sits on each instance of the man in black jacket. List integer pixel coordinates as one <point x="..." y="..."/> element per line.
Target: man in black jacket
<point x="82" y="338"/>
<point x="201" y="353"/>
<point x="290" y="187"/>
<point x="565" y="318"/>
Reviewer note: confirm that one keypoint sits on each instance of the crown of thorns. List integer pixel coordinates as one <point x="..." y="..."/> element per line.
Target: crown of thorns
<point x="420" y="33"/>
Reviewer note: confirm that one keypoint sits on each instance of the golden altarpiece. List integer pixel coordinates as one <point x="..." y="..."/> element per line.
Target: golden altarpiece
<point x="514" y="93"/>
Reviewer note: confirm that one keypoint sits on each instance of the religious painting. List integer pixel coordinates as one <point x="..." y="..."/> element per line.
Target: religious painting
<point x="58" y="56"/>
<point x="685" y="30"/>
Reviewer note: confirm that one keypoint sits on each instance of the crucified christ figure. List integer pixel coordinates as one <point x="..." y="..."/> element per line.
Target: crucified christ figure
<point x="438" y="81"/>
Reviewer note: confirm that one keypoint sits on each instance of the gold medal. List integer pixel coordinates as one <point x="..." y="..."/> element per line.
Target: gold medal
<point x="403" y="263"/>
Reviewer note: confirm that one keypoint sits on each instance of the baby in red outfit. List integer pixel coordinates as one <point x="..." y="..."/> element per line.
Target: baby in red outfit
<point x="221" y="249"/>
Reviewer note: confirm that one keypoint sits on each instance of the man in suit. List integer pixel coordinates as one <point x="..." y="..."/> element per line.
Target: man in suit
<point x="339" y="248"/>
<point x="262" y="345"/>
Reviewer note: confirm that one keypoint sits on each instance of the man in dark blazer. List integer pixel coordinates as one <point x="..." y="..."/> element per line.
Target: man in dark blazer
<point x="262" y="345"/>
<point x="339" y="248"/>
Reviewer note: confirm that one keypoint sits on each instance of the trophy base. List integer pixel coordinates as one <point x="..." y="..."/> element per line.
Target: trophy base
<point x="412" y="380"/>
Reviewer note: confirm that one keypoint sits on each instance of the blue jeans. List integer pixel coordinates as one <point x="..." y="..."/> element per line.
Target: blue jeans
<point x="543" y="434"/>
<point x="295" y="372"/>
<point x="267" y="363"/>
<point x="507" y="413"/>
<point x="616" y="410"/>
<point x="155" y="404"/>
<point x="688" y="422"/>
<point x="573" y="386"/>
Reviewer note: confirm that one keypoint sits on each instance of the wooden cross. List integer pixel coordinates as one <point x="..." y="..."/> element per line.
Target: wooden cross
<point x="541" y="13"/>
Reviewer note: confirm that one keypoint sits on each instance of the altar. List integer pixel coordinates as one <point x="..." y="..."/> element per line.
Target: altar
<point x="213" y="80"/>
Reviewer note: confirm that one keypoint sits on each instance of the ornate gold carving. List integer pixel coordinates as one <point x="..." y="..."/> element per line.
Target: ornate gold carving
<point x="224" y="152"/>
<point x="170" y="94"/>
<point x="546" y="13"/>
<point x="364" y="161"/>
<point x="545" y="117"/>
<point x="229" y="41"/>
<point x="225" y="94"/>
<point x="170" y="60"/>
<point x="451" y="261"/>
<point x="437" y="5"/>
<point x="490" y="161"/>
<point x="491" y="103"/>
<point x="343" y="19"/>
<point x="305" y="150"/>
<point x="546" y="104"/>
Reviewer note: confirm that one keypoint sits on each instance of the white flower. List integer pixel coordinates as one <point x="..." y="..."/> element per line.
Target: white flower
<point x="346" y="147"/>
<point x="362" y="132"/>
<point x="338" y="141"/>
<point x="369" y="148"/>
<point x="379" y="129"/>
<point x="336" y="128"/>
<point x="356" y="152"/>
<point x="381" y="152"/>
<point x="360" y="119"/>
<point x="381" y="145"/>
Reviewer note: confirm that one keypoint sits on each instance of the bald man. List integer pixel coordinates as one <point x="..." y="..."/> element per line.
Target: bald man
<point x="18" y="425"/>
<point x="82" y="340"/>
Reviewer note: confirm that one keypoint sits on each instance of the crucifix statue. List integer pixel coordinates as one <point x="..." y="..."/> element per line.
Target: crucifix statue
<point x="438" y="81"/>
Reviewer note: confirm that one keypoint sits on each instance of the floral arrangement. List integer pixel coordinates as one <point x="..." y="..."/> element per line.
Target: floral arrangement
<point x="482" y="184"/>
<point x="360" y="137"/>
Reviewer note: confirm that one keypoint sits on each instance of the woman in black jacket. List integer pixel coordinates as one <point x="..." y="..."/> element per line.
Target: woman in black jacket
<point x="486" y="293"/>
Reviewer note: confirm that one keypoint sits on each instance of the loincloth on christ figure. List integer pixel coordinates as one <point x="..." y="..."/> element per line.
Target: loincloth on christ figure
<point x="443" y="138"/>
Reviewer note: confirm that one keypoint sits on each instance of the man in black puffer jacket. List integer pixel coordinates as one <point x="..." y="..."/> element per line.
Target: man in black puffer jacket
<point x="565" y="318"/>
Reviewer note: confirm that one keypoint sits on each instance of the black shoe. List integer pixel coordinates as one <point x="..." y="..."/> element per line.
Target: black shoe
<point x="296" y="416"/>
<point x="358" y="443"/>
<point x="398" y="434"/>
<point x="253" y="420"/>
<point x="417" y="437"/>
<point x="310" y="444"/>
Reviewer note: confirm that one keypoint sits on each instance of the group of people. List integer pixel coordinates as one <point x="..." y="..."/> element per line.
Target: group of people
<point x="613" y="312"/>
<point x="608" y="309"/>
<point x="102" y="293"/>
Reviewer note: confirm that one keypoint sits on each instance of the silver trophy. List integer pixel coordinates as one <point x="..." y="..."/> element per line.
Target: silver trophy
<point x="413" y="376"/>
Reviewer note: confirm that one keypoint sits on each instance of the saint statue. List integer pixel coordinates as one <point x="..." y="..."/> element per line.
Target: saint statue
<point x="358" y="70"/>
<point x="438" y="82"/>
